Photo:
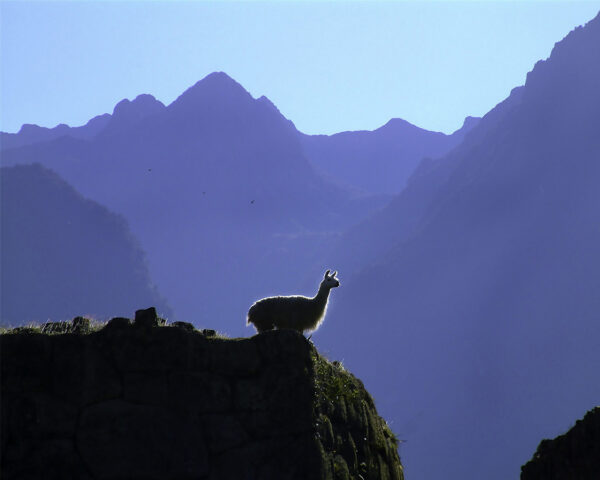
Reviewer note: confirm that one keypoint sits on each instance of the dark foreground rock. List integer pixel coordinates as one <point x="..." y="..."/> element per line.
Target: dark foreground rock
<point x="138" y="400"/>
<point x="574" y="455"/>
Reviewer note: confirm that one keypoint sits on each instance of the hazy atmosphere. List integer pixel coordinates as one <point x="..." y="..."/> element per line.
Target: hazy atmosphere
<point x="442" y="157"/>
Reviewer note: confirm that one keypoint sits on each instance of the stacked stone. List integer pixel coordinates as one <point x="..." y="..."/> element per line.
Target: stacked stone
<point x="141" y="400"/>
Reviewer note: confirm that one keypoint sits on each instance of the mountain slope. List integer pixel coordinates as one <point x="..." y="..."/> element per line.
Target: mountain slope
<point x="477" y="284"/>
<point x="62" y="254"/>
<point x="379" y="161"/>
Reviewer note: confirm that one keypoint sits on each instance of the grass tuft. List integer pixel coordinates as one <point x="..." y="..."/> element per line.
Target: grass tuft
<point x="333" y="382"/>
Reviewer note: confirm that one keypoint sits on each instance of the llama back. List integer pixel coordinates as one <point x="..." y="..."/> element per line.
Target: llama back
<point x="297" y="312"/>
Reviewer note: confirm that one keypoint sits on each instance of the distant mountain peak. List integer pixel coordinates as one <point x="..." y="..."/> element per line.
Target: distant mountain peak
<point x="217" y="85"/>
<point x="218" y="78"/>
<point x="470" y="122"/>
<point x="32" y="128"/>
<point x="267" y="101"/>
<point x="399" y="125"/>
<point x="576" y="52"/>
<point x="130" y="112"/>
<point x="142" y="105"/>
<point x="396" y="122"/>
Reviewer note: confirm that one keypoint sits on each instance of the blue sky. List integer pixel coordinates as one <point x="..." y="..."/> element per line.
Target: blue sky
<point x="328" y="66"/>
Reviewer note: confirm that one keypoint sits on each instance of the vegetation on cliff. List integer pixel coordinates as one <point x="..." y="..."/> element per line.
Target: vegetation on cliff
<point x="345" y="418"/>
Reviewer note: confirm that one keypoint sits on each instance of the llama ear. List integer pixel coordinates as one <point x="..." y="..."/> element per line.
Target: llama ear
<point x="327" y="273"/>
<point x="334" y="274"/>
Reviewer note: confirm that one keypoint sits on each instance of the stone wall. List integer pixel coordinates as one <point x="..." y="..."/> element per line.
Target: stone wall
<point x="140" y="400"/>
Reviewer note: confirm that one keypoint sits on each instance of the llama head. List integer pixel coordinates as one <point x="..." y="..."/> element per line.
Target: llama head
<point x="330" y="281"/>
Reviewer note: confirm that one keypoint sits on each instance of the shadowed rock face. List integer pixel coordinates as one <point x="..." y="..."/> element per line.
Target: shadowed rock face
<point x="138" y="400"/>
<point x="576" y="454"/>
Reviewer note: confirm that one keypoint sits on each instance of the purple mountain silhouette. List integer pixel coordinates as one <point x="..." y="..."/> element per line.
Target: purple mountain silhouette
<point x="218" y="189"/>
<point x="125" y="113"/>
<point x="477" y="285"/>
<point x="30" y="134"/>
<point x="128" y="113"/>
<point x="63" y="255"/>
<point x="379" y="161"/>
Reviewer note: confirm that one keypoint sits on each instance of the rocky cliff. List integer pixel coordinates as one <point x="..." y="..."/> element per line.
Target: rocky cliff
<point x="144" y="400"/>
<point x="574" y="455"/>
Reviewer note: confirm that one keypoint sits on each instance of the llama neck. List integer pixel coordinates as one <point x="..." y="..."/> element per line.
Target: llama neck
<point x="322" y="295"/>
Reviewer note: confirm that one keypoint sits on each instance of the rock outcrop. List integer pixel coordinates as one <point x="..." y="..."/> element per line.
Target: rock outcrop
<point x="574" y="455"/>
<point x="143" y="400"/>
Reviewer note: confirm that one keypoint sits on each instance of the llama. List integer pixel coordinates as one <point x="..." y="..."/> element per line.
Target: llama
<point x="296" y="312"/>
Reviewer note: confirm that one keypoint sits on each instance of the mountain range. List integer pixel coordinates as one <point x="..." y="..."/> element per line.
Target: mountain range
<point x="382" y="160"/>
<point x="354" y="159"/>
<point x="218" y="186"/>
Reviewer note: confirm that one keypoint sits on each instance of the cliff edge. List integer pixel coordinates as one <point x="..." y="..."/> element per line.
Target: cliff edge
<point x="141" y="400"/>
